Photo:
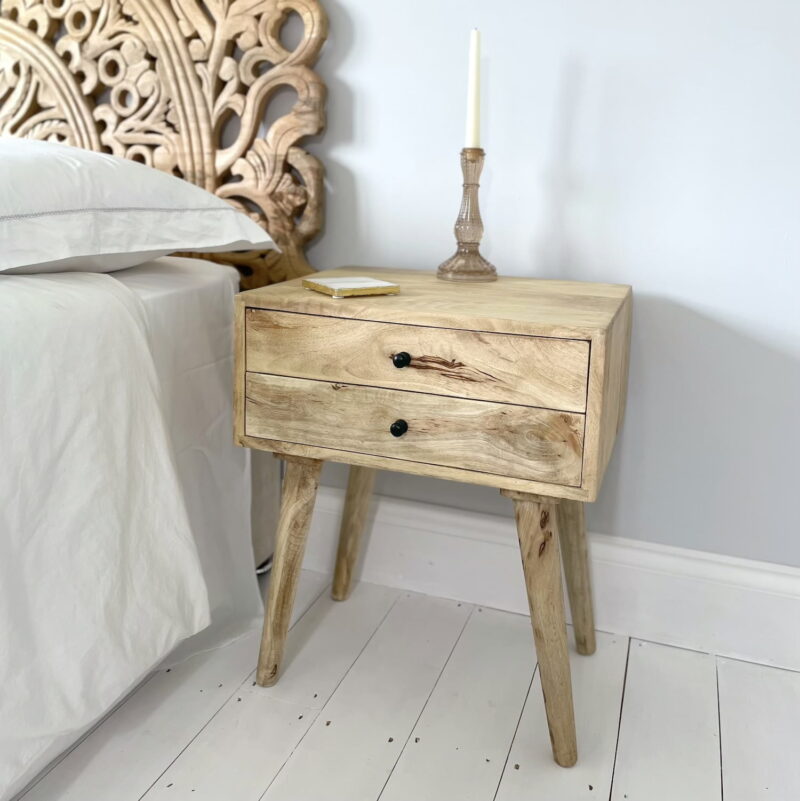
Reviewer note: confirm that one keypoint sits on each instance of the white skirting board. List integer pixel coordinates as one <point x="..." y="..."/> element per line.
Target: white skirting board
<point x="719" y="604"/>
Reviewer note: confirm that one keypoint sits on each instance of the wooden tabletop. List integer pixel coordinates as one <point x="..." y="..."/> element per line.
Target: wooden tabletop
<point x="530" y="306"/>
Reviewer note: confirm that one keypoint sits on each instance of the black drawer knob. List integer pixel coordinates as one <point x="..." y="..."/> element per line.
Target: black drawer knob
<point x="401" y="359"/>
<point x="398" y="428"/>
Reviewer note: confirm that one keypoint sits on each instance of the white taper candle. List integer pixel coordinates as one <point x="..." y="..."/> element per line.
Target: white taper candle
<point x="473" y="133"/>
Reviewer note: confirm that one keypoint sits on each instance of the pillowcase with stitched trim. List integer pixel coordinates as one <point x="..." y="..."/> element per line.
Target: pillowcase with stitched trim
<point x="65" y="209"/>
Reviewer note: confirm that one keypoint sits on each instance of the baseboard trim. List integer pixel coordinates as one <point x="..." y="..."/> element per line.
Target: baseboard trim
<point x="733" y="607"/>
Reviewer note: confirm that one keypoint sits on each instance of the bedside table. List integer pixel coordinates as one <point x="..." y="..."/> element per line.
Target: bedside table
<point x="518" y="384"/>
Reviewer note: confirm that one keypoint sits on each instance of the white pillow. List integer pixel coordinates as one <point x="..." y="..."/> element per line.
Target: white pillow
<point x="63" y="208"/>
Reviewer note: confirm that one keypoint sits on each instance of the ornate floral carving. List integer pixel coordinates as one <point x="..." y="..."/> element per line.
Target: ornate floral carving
<point x="184" y="86"/>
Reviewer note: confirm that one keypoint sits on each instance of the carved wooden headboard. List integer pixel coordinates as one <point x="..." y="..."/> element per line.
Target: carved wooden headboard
<point x="182" y="85"/>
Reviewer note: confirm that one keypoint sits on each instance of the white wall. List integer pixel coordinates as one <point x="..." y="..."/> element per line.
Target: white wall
<point x="650" y="143"/>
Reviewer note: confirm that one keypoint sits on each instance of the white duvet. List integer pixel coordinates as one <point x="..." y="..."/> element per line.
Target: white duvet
<point x="99" y="574"/>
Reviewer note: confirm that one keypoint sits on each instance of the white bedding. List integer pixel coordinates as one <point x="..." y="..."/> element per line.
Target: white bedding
<point x="189" y="308"/>
<point x="124" y="506"/>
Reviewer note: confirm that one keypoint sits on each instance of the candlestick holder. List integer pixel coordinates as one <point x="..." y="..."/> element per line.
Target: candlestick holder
<point x="467" y="264"/>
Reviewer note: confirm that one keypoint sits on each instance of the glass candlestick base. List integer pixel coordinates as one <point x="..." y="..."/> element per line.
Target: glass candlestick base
<point x="467" y="264"/>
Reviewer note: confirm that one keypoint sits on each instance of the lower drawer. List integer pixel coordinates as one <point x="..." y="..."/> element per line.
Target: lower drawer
<point x="498" y="438"/>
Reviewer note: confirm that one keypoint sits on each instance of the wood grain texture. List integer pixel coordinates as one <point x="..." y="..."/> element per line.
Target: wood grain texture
<point x="297" y="503"/>
<point x="538" y="543"/>
<point x="535" y="307"/>
<point x="492" y="438"/>
<point x="239" y="373"/>
<point x="608" y="389"/>
<point x="414" y="468"/>
<point x="164" y="83"/>
<point x="575" y="555"/>
<point x="532" y="371"/>
<point x="563" y="311"/>
<point x="354" y="521"/>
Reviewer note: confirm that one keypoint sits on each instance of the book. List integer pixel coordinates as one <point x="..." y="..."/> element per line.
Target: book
<point x="350" y="286"/>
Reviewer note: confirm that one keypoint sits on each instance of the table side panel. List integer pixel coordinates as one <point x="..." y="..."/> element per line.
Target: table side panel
<point x="239" y="368"/>
<point x="607" y="395"/>
<point x="530" y="371"/>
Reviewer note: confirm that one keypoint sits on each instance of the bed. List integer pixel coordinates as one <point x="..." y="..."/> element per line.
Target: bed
<point x="187" y="305"/>
<point x="183" y="86"/>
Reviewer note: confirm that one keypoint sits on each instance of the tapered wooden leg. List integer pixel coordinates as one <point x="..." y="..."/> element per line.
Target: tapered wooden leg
<point x="297" y="503"/>
<point x="538" y="542"/>
<point x="572" y="537"/>
<point x="354" y="520"/>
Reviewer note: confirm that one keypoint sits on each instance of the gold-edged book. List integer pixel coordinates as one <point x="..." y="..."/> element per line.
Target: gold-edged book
<point x="350" y="287"/>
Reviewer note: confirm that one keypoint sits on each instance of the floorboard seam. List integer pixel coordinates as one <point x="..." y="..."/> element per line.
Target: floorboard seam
<point x="237" y="687"/>
<point x="56" y="762"/>
<point x="516" y="729"/>
<point x="619" y="724"/>
<point x="719" y="732"/>
<point x="427" y="700"/>
<point x="338" y="684"/>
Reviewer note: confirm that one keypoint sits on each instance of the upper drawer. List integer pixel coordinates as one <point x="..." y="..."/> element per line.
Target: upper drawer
<point x="533" y="371"/>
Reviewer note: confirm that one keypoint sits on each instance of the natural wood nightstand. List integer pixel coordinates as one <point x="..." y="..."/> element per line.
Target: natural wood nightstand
<point x="518" y="384"/>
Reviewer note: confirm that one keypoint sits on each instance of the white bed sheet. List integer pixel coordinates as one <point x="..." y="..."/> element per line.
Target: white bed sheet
<point x="188" y="305"/>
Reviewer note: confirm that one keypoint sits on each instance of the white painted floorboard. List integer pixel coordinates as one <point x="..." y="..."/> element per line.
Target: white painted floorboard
<point x="597" y="681"/>
<point x="260" y="726"/>
<point x="668" y="747"/>
<point x="402" y="697"/>
<point x="760" y="731"/>
<point x="458" y="748"/>
<point x="350" y="751"/>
